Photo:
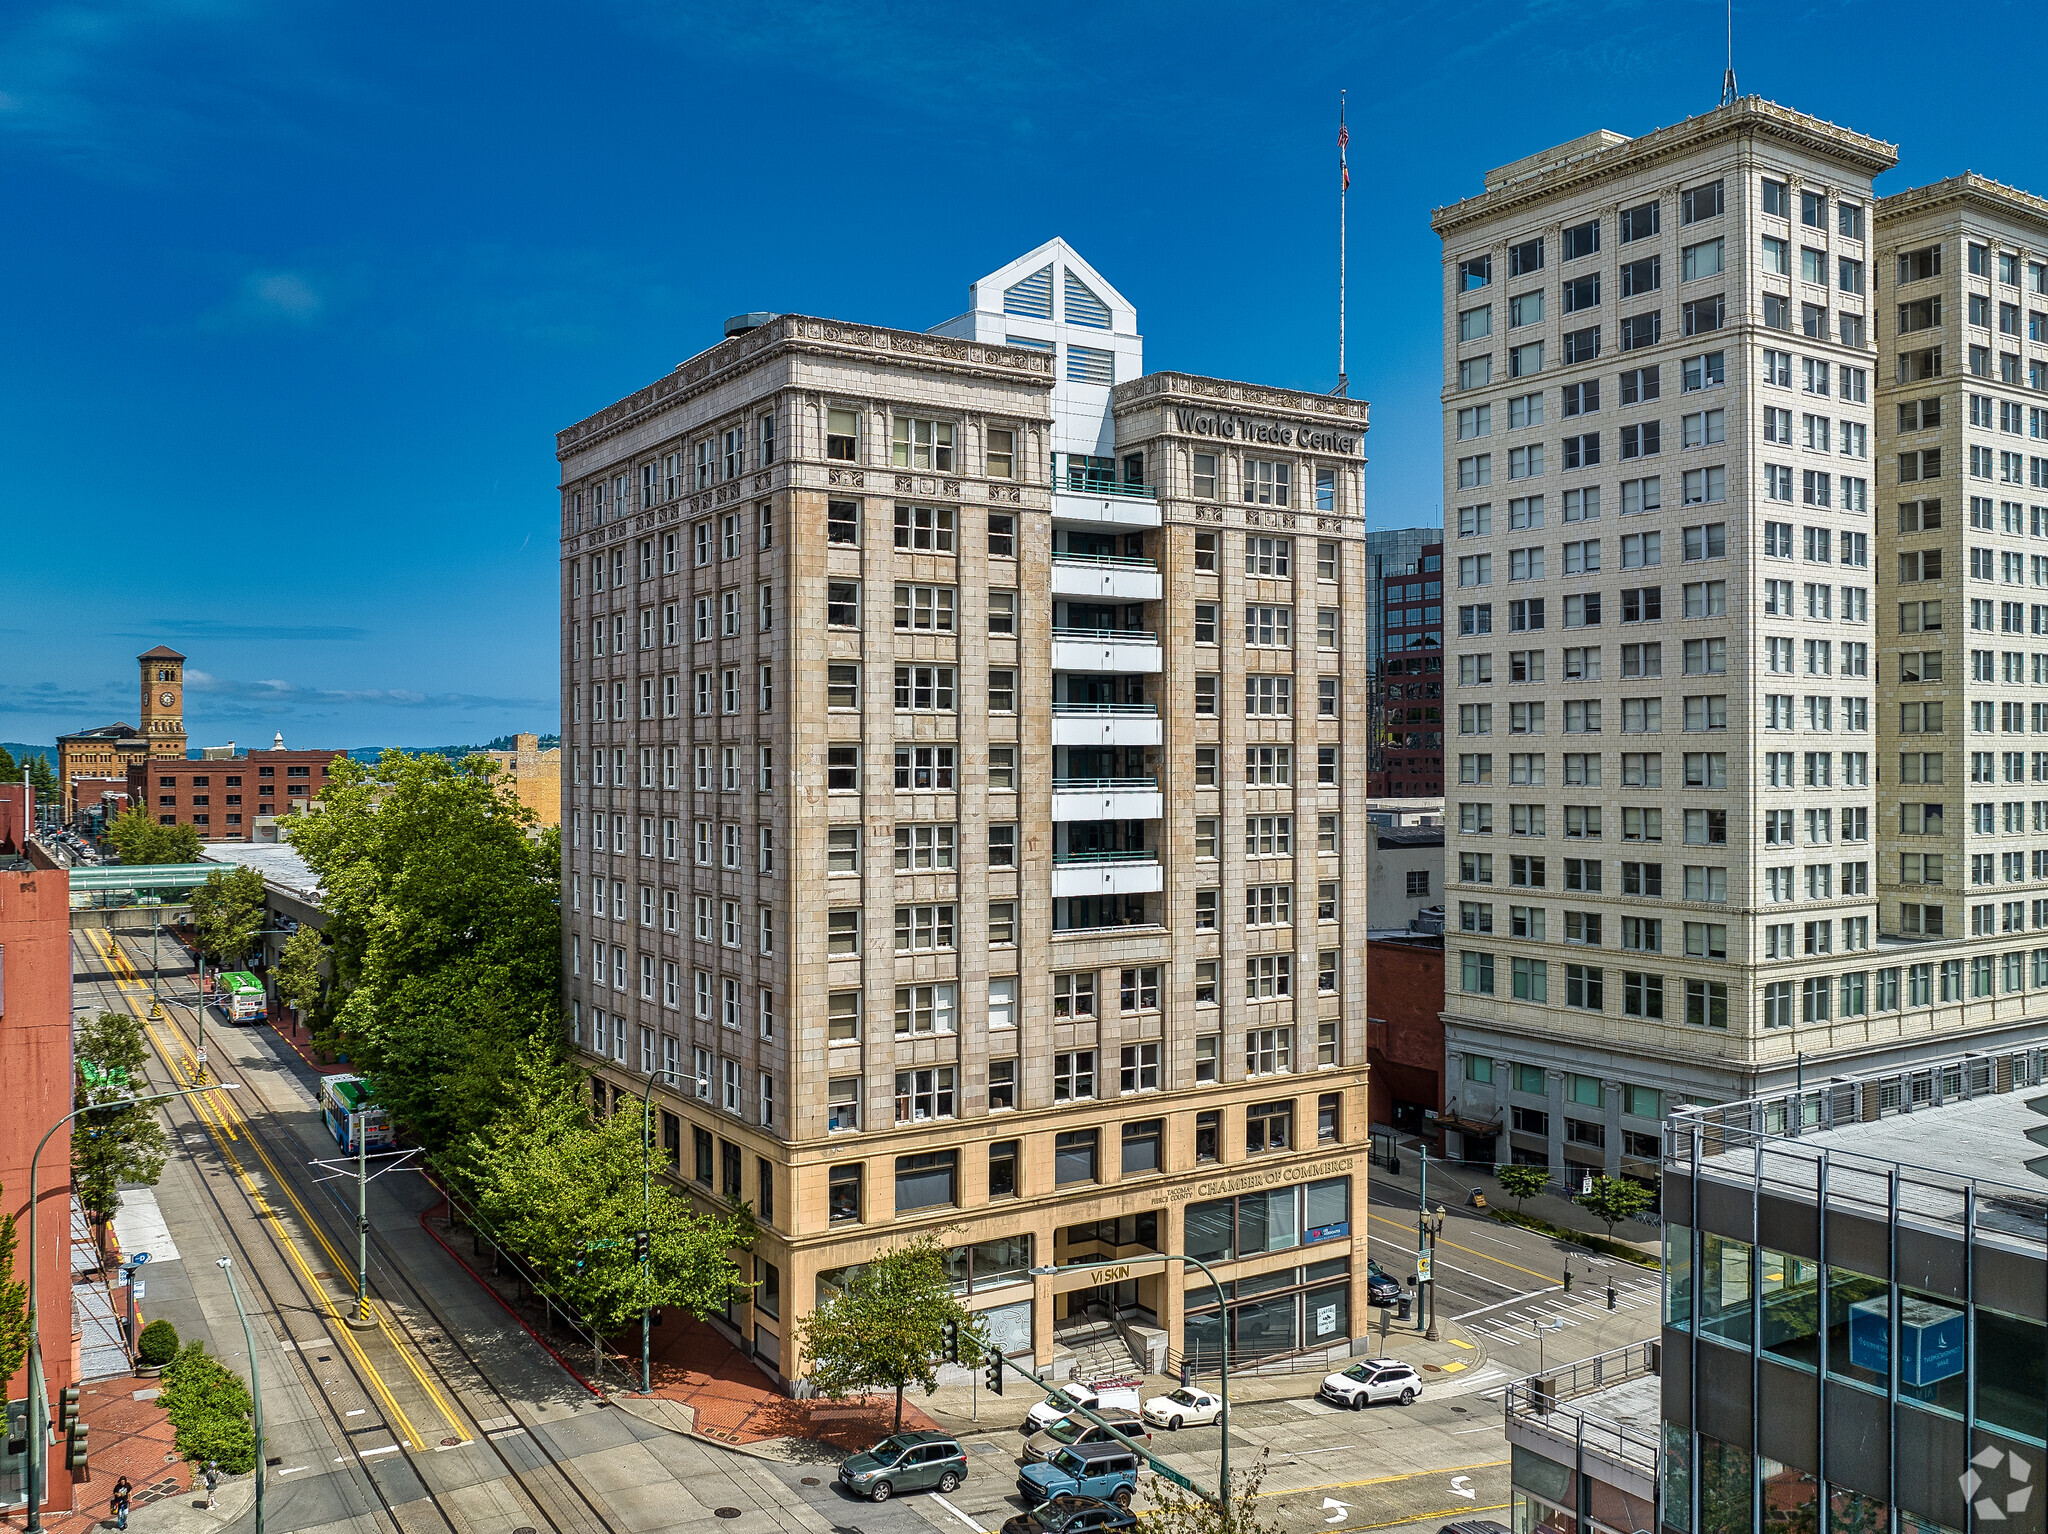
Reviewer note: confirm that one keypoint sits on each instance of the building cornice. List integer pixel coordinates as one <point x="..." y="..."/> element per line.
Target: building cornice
<point x="1971" y="191"/>
<point x="1333" y="409"/>
<point x="1752" y="116"/>
<point x="806" y="334"/>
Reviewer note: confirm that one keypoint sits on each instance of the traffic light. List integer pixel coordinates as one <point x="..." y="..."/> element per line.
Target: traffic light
<point x="641" y="1246"/>
<point x="994" y="1379"/>
<point x="74" y="1446"/>
<point x="951" y="1346"/>
<point x="67" y="1409"/>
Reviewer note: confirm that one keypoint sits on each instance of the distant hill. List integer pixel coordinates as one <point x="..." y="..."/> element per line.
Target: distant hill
<point x="20" y="752"/>
<point x="502" y="743"/>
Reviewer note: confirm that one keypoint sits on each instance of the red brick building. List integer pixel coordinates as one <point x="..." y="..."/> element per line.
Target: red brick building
<point x="35" y="1065"/>
<point x="230" y="799"/>
<point x="1404" y="1035"/>
<point x="1411" y="681"/>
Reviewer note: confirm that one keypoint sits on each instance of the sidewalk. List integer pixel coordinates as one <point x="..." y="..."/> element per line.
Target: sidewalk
<point x="131" y="1436"/>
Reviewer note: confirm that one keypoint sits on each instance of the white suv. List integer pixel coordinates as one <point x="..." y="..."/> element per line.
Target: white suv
<point x="1375" y="1379"/>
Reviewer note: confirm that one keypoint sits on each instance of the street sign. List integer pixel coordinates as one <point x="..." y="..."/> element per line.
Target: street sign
<point x="139" y="1289"/>
<point x="1422" y="1267"/>
<point x="139" y="1259"/>
<point x="1173" y="1475"/>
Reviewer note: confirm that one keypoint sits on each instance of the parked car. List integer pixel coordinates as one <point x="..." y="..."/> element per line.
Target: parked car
<point x="1473" y="1526"/>
<point x="1067" y="1397"/>
<point x="1073" y="1515"/>
<point x="1104" y="1470"/>
<point x="905" y="1462"/>
<point x="1079" y="1430"/>
<point x="1381" y="1287"/>
<point x="1369" y="1380"/>
<point x="1185" y="1405"/>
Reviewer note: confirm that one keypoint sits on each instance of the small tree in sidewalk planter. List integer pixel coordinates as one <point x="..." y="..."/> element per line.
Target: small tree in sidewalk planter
<point x="1614" y="1199"/>
<point x="1521" y="1182"/>
<point x="209" y="1406"/>
<point x="888" y="1326"/>
<point x="157" y="1345"/>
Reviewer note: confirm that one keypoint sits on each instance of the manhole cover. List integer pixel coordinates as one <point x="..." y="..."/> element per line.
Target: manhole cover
<point x="810" y="1480"/>
<point x="726" y="1512"/>
<point x="524" y="1529"/>
<point x="1457" y="1408"/>
<point x="1434" y="1368"/>
<point x="325" y="1358"/>
<point x="278" y="1460"/>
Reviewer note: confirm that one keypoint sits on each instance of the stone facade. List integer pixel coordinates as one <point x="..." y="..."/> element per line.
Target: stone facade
<point x="1962" y="433"/>
<point x="536" y="776"/>
<point x="1661" y="678"/>
<point x="903" y="818"/>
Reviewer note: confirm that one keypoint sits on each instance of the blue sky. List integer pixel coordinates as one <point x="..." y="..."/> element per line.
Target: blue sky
<point x="298" y="293"/>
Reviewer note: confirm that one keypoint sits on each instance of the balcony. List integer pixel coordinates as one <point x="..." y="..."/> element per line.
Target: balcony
<point x="1120" y="651"/>
<point x="1105" y="873"/>
<point x="1105" y="724"/>
<point x="1105" y="578"/>
<point x="1106" y="799"/>
<point x="1089" y="494"/>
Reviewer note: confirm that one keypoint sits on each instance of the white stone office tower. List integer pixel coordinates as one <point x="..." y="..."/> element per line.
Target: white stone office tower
<point x="1962" y="556"/>
<point x="1659" y="364"/>
<point x="965" y="737"/>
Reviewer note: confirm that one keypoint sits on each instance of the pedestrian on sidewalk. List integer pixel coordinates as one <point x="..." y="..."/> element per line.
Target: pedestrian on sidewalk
<point x="118" y="1503"/>
<point x="212" y="1482"/>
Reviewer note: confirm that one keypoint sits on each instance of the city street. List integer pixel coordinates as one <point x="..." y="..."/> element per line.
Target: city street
<point x="1387" y="1468"/>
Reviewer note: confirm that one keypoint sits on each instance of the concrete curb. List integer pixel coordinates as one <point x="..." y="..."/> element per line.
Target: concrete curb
<point x="177" y="1515"/>
<point x="794" y="1451"/>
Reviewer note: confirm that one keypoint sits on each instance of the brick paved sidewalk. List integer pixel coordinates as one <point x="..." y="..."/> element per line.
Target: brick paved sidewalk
<point x="735" y="1403"/>
<point x="127" y="1437"/>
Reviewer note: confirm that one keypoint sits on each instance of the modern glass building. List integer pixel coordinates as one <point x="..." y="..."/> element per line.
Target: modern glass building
<point x="1856" y="1308"/>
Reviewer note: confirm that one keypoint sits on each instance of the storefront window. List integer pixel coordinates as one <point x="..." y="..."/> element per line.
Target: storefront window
<point x="1267" y="1222"/>
<point x="2012" y="1375"/>
<point x="1326" y="1316"/>
<point x="1790" y="1289"/>
<point x="1678" y="1276"/>
<point x="1005" y="1260"/>
<point x="1264" y="1328"/>
<point x="1209" y="1231"/>
<point x="1008" y="1326"/>
<point x="1326" y="1209"/>
<point x="1851" y="1512"/>
<point x="1724" y="1289"/>
<point x="1859" y="1328"/>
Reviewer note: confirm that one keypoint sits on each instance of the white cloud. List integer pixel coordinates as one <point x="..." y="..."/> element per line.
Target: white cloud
<point x="277" y="695"/>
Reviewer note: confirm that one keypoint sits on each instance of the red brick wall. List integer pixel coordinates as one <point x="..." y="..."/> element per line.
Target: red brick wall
<point x="35" y="1063"/>
<point x="1405" y="1034"/>
<point x="228" y="793"/>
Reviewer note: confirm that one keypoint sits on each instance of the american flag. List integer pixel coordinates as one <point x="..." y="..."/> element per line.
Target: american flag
<point x="1343" y="163"/>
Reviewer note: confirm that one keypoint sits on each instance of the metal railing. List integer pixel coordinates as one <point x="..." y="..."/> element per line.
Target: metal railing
<point x="1063" y="785"/>
<point x="1095" y="480"/>
<point x="1126" y="710"/>
<point x="1538" y="1403"/>
<point x="1120" y="561"/>
<point x="1138" y="855"/>
<point x="1108" y="636"/>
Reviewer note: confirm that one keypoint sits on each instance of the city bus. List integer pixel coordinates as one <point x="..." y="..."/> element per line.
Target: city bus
<point x="240" y="995"/>
<point x="348" y="1104"/>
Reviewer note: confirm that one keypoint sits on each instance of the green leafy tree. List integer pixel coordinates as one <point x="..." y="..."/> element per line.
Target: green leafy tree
<point x="115" y="1140"/>
<point x="209" y="1406"/>
<point x="139" y="840"/>
<point x="228" y="911"/>
<point x="443" y="921"/>
<point x="1175" y="1510"/>
<point x="10" y="770"/>
<point x="1614" y="1199"/>
<point x="299" y="980"/>
<point x="565" y="1193"/>
<point x="1521" y="1182"/>
<point x="887" y="1327"/>
<point x="14" y="1322"/>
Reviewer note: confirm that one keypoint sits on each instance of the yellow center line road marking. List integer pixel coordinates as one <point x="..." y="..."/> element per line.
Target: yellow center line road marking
<point x="1385" y="1480"/>
<point x="1442" y="1512"/>
<point x="224" y="1131"/>
<point x="1482" y="1256"/>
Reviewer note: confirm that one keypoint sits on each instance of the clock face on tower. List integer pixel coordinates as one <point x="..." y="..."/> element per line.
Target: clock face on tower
<point x="165" y="699"/>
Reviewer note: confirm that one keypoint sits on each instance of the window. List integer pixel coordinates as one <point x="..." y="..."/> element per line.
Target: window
<point x="1268" y="1127"/>
<point x="925" y="528"/>
<point x="924" y="608"/>
<point x="924" y="1009"/>
<point x="1073" y="1075"/>
<point x="1266" y="482"/>
<point x="843" y="1183"/>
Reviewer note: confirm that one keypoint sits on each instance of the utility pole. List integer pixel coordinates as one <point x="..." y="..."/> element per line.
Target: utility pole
<point x="227" y="1266"/>
<point x="1422" y="1306"/>
<point x="362" y="1138"/>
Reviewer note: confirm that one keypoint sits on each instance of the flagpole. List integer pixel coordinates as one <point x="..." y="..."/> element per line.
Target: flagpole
<point x="1343" y="192"/>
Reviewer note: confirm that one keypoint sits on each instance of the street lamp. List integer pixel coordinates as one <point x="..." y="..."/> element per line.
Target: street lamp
<point x="1543" y="1326"/>
<point x="646" y="1218"/>
<point x="38" y="1402"/>
<point x="227" y="1266"/>
<point x="1222" y="1338"/>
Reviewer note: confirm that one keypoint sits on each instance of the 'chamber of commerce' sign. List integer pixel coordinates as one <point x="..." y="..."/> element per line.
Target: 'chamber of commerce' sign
<point x="1312" y="439"/>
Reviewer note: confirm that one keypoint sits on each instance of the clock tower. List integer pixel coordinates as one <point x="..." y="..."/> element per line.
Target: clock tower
<point x="163" y="702"/>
